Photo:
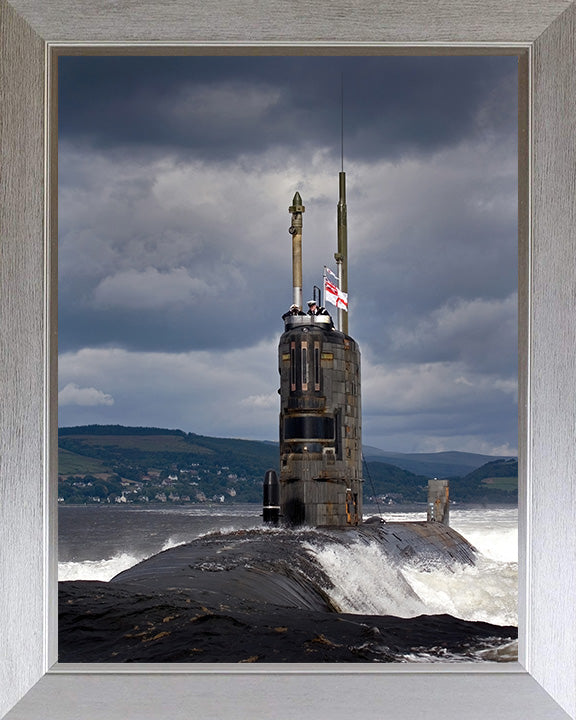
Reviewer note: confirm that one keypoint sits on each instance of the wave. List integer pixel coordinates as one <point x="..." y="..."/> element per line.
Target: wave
<point x="499" y="544"/>
<point x="97" y="569"/>
<point x="366" y="581"/>
<point x="494" y="532"/>
<point x="486" y="592"/>
<point x="106" y="568"/>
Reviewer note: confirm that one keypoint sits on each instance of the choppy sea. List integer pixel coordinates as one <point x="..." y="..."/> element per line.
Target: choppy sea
<point x="97" y="542"/>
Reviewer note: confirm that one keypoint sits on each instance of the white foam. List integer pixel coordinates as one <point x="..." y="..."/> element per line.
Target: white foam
<point x="498" y="544"/>
<point x="486" y="592"/>
<point x="365" y="581"/>
<point x="494" y="531"/>
<point x="96" y="569"/>
<point x="107" y="568"/>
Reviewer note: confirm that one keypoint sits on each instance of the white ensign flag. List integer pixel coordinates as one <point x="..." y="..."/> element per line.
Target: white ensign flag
<point x="334" y="295"/>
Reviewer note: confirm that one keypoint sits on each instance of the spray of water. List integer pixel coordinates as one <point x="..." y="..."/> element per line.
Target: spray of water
<point x="106" y="568"/>
<point x="494" y="532"/>
<point x="486" y="592"/>
<point x="97" y="569"/>
<point x="366" y="581"/>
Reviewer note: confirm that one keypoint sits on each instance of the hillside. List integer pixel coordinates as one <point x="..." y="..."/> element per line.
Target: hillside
<point x="498" y="478"/>
<point x="113" y="463"/>
<point x="158" y="465"/>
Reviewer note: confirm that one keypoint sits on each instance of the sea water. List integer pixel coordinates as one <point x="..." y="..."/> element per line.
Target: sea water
<point x="97" y="542"/>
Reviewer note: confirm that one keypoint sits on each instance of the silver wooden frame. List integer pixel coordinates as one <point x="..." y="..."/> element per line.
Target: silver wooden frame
<point x="542" y="686"/>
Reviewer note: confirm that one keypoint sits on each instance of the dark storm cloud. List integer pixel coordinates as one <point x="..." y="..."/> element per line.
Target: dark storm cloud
<point x="220" y="107"/>
<point x="181" y="259"/>
<point x="435" y="255"/>
<point x="174" y="258"/>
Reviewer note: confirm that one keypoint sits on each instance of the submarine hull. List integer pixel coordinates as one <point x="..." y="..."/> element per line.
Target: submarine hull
<point x="278" y="567"/>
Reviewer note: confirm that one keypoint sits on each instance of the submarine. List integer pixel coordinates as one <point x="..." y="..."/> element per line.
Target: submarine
<point x="318" y="493"/>
<point x="263" y="594"/>
<point x="270" y="577"/>
<point x="320" y="426"/>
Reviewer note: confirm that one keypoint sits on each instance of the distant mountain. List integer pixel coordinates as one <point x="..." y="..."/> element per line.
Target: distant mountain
<point x="440" y="464"/>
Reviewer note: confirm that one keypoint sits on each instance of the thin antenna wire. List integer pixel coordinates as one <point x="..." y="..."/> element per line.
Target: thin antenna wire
<point x="374" y="495"/>
<point x="342" y="118"/>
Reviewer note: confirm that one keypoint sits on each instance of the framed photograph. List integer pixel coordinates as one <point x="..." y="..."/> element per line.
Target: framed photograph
<point x="542" y="684"/>
<point x="176" y="174"/>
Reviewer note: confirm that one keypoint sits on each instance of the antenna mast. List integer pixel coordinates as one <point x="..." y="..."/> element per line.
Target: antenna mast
<point x="341" y="256"/>
<point x="342" y="121"/>
<point x="296" y="210"/>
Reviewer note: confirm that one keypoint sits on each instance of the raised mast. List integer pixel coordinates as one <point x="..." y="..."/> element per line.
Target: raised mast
<point x="341" y="256"/>
<point x="296" y="231"/>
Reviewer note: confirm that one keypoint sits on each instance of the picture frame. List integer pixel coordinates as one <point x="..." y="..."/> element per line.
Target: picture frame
<point x="543" y="683"/>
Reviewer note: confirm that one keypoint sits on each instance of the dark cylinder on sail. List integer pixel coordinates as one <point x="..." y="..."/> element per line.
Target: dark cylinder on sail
<point x="271" y="503"/>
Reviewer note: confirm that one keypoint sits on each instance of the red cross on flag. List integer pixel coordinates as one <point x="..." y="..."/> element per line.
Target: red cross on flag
<point x="334" y="295"/>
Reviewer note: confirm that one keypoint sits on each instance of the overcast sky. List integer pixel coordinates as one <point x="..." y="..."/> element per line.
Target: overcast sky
<point x="175" y="178"/>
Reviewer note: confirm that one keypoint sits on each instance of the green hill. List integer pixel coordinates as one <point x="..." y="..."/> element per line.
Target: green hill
<point x="70" y="463"/>
<point x="494" y="481"/>
<point x="145" y="464"/>
<point x="114" y="444"/>
<point x="102" y="463"/>
<point x="391" y="483"/>
<point x="504" y="469"/>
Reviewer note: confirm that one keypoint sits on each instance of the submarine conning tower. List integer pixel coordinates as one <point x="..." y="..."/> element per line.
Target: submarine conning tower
<point x="320" y="480"/>
<point x="320" y="424"/>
